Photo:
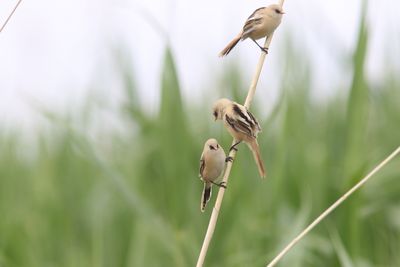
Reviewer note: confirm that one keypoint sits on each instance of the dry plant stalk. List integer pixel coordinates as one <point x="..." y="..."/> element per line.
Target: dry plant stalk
<point x="333" y="207"/>
<point x="9" y="17"/>
<point x="214" y="216"/>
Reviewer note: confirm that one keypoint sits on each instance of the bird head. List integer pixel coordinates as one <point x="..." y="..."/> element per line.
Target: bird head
<point x="211" y="144"/>
<point x="219" y="108"/>
<point x="275" y="10"/>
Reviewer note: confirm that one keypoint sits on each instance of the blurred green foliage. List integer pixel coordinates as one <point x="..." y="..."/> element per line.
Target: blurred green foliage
<point x="133" y="200"/>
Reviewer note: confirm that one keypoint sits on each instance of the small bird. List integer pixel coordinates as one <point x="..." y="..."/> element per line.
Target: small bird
<point x="212" y="164"/>
<point x="262" y="23"/>
<point x="242" y="125"/>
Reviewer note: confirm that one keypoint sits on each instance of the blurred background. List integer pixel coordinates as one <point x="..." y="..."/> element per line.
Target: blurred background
<point x="105" y="107"/>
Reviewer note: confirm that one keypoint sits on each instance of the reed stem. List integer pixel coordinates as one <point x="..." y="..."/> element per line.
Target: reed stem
<point x="214" y="216"/>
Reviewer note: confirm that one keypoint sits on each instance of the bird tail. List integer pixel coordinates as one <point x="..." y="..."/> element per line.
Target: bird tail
<point x="257" y="157"/>
<point x="205" y="196"/>
<point x="230" y="46"/>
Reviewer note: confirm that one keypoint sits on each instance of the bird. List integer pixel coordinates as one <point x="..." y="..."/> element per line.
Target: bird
<point x="242" y="125"/>
<point x="262" y="23"/>
<point x="212" y="165"/>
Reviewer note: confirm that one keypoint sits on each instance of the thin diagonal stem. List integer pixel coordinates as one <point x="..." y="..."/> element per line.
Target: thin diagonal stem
<point x="232" y="153"/>
<point x="9" y="16"/>
<point x="333" y="207"/>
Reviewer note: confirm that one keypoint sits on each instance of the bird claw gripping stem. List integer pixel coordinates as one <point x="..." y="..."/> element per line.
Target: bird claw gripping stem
<point x="221" y="184"/>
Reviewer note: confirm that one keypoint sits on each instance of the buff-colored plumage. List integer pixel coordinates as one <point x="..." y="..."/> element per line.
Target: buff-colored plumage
<point x="242" y="125"/>
<point x="262" y="23"/>
<point x="212" y="164"/>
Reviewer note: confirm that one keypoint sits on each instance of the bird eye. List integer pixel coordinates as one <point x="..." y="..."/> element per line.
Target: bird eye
<point x="211" y="147"/>
<point x="277" y="11"/>
<point x="215" y="114"/>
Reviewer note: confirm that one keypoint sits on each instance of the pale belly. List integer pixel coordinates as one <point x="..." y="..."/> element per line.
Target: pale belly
<point x="264" y="29"/>
<point x="213" y="170"/>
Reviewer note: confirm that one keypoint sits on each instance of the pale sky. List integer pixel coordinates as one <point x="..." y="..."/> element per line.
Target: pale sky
<point x="55" y="52"/>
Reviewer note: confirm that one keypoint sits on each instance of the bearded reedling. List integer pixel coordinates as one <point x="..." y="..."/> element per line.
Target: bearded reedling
<point x="212" y="165"/>
<point x="242" y="125"/>
<point x="262" y="23"/>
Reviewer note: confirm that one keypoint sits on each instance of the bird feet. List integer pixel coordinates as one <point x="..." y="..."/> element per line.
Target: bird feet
<point x="233" y="147"/>
<point x="229" y="159"/>
<point x="264" y="49"/>
<point x="221" y="184"/>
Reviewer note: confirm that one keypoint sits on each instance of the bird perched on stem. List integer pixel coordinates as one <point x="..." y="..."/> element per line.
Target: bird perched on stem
<point x="212" y="164"/>
<point x="242" y="125"/>
<point x="262" y="23"/>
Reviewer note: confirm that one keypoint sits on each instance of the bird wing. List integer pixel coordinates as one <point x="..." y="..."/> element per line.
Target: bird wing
<point x="238" y="125"/>
<point x="202" y="165"/>
<point x="246" y="117"/>
<point x="255" y="14"/>
<point x="254" y="19"/>
<point x="255" y="122"/>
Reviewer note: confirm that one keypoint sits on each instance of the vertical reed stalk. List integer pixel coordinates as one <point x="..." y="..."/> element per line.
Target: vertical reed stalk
<point x="214" y="216"/>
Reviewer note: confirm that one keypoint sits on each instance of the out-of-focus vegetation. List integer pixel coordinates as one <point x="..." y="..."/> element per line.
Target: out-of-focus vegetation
<point x="133" y="200"/>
